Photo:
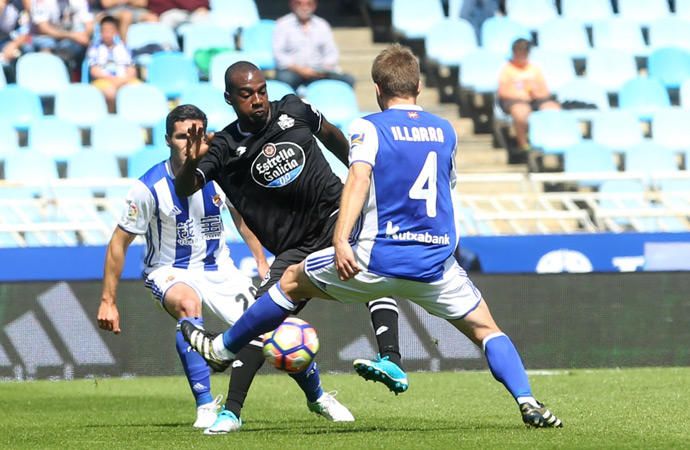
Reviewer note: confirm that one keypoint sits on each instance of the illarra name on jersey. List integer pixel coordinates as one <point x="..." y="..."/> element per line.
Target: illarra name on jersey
<point x="417" y="134"/>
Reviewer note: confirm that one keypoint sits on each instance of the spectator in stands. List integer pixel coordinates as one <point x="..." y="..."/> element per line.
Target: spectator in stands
<point x="522" y="89"/>
<point x="13" y="34"/>
<point x="110" y="63"/>
<point x="174" y="13"/>
<point x="126" y="12"/>
<point x="304" y="47"/>
<point x="62" y="27"/>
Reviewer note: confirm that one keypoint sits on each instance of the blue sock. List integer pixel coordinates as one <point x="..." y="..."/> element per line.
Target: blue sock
<point x="195" y="368"/>
<point x="506" y="365"/>
<point x="263" y="316"/>
<point x="310" y="382"/>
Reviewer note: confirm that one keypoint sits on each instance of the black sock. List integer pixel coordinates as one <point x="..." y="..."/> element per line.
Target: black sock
<point x="251" y="359"/>
<point x="384" y="319"/>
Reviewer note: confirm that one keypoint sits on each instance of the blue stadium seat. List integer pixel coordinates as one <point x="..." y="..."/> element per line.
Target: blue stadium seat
<point x="649" y="158"/>
<point x="257" y="42"/>
<point x="479" y="70"/>
<point x="143" y="104"/>
<point x="449" y="41"/>
<point x="20" y="106"/>
<point x="211" y="102"/>
<point x="117" y="135"/>
<point x="30" y="166"/>
<point x="3" y="80"/>
<point x="674" y="192"/>
<point x="619" y="34"/>
<point x="616" y="129"/>
<point x="94" y="164"/>
<point x="670" y="128"/>
<point x="9" y="141"/>
<point x="42" y="73"/>
<point x="682" y="8"/>
<point x="55" y="138"/>
<point x="671" y="66"/>
<point x="234" y="14"/>
<point x="564" y="35"/>
<point x="531" y="13"/>
<point x="278" y="89"/>
<point x="610" y="69"/>
<point x="620" y="195"/>
<point x="171" y="72"/>
<point x="498" y="34"/>
<point x="582" y="90"/>
<point x="204" y="36"/>
<point x="76" y="204"/>
<point x="220" y="63"/>
<point x="684" y="95"/>
<point x="644" y="96"/>
<point x="141" y="161"/>
<point x="587" y="11"/>
<point x="643" y="12"/>
<point x="413" y="19"/>
<point x="670" y="32"/>
<point x="321" y="93"/>
<point x="553" y="131"/>
<point x="151" y="33"/>
<point x="80" y="104"/>
<point x="557" y="67"/>
<point x="588" y="157"/>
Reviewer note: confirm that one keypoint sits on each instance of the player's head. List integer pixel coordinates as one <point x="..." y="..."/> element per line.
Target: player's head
<point x="396" y="74"/>
<point x="109" y="27"/>
<point x="177" y="124"/>
<point x="245" y="91"/>
<point x="520" y="52"/>
<point x="303" y="9"/>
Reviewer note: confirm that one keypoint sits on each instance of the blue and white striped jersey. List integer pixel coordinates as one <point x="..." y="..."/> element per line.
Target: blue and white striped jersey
<point x="407" y="228"/>
<point x="181" y="232"/>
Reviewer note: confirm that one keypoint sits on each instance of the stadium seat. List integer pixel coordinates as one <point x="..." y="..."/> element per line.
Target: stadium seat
<point x="54" y="138"/>
<point x="649" y="158"/>
<point x="321" y="93"/>
<point x="684" y="95"/>
<point x="20" y="106"/>
<point x="557" y="67"/>
<point x="30" y="166"/>
<point x="220" y="63"/>
<point x="201" y="36"/>
<point x="449" y="41"/>
<point x="42" y="73"/>
<point x="564" y="35"/>
<point x="643" y="12"/>
<point x="211" y="101"/>
<point x="616" y="129"/>
<point x="278" y="89"/>
<point x="587" y="157"/>
<point x="141" y="161"/>
<point x="553" y="131"/>
<point x="674" y="192"/>
<point x="670" y="128"/>
<point x="257" y="42"/>
<point x="413" y="19"/>
<point x="531" y="13"/>
<point x="94" y="164"/>
<point x="80" y="104"/>
<point x="479" y="70"/>
<point x="9" y="141"/>
<point x="671" y="66"/>
<point x="620" y="195"/>
<point x="117" y="135"/>
<point x="644" y="96"/>
<point x="143" y="104"/>
<point x="498" y="34"/>
<point x="3" y="80"/>
<point x="587" y="11"/>
<point x="234" y="14"/>
<point x="151" y="33"/>
<point x="682" y="8"/>
<point x="583" y="91"/>
<point x="610" y="69"/>
<point x="619" y="34"/>
<point x="171" y="72"/>
<point x="670" y="32"/>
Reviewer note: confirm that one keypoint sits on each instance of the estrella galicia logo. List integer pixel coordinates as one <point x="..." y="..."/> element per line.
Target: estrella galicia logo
<point x="278" y="164"/>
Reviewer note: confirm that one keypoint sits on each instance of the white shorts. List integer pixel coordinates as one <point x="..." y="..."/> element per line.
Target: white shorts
<point x="451" y="297"/>
<point x="227" y="292"/>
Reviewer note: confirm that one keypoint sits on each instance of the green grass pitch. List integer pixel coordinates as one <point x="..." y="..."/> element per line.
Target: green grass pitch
<point x="630" y="408"/>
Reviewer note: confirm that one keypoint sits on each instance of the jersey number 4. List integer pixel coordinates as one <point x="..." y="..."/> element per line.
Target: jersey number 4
<point x="424" y="187"/>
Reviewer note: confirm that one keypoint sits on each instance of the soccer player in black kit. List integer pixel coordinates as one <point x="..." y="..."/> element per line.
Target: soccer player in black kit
<point x="269" y="165"/>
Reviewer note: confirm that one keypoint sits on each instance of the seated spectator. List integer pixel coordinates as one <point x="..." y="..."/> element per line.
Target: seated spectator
<point x="174" y="13"/>
<point x="62" y="27"/>
<point x="13" y="35"/>
<point x="110" y="63"/>
<point x="304" y="47"/>
<point x="126" y="12"/>
<point x="522" y="89"/>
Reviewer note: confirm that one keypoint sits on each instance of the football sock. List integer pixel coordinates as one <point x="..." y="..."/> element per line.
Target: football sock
<point x="505" y="364"/>
<point x="310" y="382"/>
<point x="384" y="319"/>
<point x="247" y="362"/>
<point x="195" y="368"/>
<point x="263" y="316"/>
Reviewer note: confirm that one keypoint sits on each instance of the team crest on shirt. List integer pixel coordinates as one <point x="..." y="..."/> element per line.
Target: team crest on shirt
<point x="278" y="164"/>
<point x="413" y="114"/>
<point x="217" y="200"/>
<point x="285" y="122"/>
<point x="269" y="150"/>
<point x="132" y="211"/>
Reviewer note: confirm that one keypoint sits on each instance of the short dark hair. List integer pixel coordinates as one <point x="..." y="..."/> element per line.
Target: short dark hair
<point x="110" y="19"/>
<point x="182" y="113"/>
<point x="521" y="45"/>
<point x="396" y="72"/>
<point x="239" y="66"/>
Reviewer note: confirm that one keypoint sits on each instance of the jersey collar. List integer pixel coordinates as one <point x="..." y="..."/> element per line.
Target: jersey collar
<point x="406" y="107"/>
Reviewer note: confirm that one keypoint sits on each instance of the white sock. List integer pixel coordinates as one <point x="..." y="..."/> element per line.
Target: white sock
<point x="531" y="400"/>
<point x="220" y="350"/>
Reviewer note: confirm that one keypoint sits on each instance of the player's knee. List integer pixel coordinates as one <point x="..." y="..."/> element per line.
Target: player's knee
<point x="183" y="300"/>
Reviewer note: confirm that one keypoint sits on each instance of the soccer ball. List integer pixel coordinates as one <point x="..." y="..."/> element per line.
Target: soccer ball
<point x="292" y="346"/>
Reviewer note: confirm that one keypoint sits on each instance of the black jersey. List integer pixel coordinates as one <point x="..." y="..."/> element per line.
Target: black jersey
<point x="277" y="179"/>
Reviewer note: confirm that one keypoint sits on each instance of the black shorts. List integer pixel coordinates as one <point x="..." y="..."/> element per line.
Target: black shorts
<point x="507" y="104"/>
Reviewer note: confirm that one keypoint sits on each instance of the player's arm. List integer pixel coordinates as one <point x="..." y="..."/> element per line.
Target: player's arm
<point x="188" y="179"/>
<point x="334" y="140"/>
<point x="252" y="242"/>
<point x="352" y="201"/>
<point x="108" y="315"/>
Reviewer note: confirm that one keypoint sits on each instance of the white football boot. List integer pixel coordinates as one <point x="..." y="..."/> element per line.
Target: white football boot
<point x="206" y="414"/>
<point x="330" y="408"/>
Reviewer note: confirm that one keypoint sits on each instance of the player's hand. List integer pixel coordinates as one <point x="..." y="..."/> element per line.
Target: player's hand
<point x="262" y="268"/>
<point x="345" y="262"/>
<point x="197" y="143"/>
<point x="109" y="317"/>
